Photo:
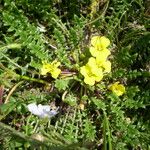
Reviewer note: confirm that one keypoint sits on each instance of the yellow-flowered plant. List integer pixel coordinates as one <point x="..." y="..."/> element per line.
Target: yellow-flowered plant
<point x="99" y="47"/>
<point x="98" y="64"/>
<point x="117" y="88"/>
<point x="91" y="72"/>
<point x="51" y="68"/>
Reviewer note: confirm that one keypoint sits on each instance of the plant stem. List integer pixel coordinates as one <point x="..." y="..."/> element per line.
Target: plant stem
<point x="106" y="122"/>
<point x="33" y="79"/>
<point x="10" y="60"/>
<point x="12" y="90"/>
<point x="11" y="46"/>
<point x="24" y="77"/>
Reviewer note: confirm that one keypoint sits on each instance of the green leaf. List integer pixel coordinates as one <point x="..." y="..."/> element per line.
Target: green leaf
<point x="89" y="130"/>
<point x="71" y="100"/>
<point x="61" y="84"/>
<point x="99" y="103"/>
<point x="7" y="108"/>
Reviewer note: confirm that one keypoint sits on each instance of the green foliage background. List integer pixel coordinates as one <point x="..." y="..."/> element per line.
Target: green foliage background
<point x="34" y="31"/>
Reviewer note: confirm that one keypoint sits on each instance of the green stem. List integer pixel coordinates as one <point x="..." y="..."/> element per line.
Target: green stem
<point x="104" y="134"/>
<point x="32" y="79"/>
<point x="102" y="15"/>
<point x="12" y="90"/>
<point x="11" y="46"/>
<point x="13" y="74"/>
<point x="10" y="60"/>
<point x="7" y="131"/>
<point x="61" y="25"/>
<point x="106" y="124"/>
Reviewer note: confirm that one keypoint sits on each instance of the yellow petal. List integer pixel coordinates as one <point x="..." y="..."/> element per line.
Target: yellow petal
<point x="83" y="71"/>
<point x="51" y="68"/>
<point x="117" y="88"/>
<point x="89" y="80"/>
<point x="105" y="42"/>
<point x="100" y="42"/>
<point x="55" y="73"/>
<point x="91" y="61"/>
<point x="113" y="86"/>
<point x="55" y="63"/>
<point x="92" y="64"/>
<point x="98" y="75"/>
<point x="107" y="66"/>
<point x="45" y="68"/>
<point x="99" y="78"/>
<point x="44" y="71"/>
<point x="121" y="90"/>
<point x="95" y="40"/>
<point x="102" y="56"/>
<point x="94" y="51"/>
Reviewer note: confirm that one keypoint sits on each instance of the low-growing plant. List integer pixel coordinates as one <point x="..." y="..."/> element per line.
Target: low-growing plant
<point x="74" y="75"/>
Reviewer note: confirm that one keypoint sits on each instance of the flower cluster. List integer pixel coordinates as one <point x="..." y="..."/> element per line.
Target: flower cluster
<point x="51" y="68"/>
<point x="117" y="88"/>
<point x="98" y="64"/>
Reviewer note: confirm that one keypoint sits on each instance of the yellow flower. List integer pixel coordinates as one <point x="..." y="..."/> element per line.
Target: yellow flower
<point x="89" y="76"/>
<point x="91" y="72"/>
<point x="117" y="88"/>
<point x="100" y="42"/>
<point x="55" y="71"/>
<point x="51" y="68"/>
<point x="45" y="68"/>
<point x="97" y="71"/>
<point x="99" y="47"/>
<point x="101" y="56"/>
<point x="92" y="64"/>
<point x="106" y="65"/>
<point x="98" y="64"/>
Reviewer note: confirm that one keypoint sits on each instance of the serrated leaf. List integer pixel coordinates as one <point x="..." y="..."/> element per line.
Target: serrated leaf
<point x="99" y="103"/>
<point x="71" y="100"/>
<point x="61" y="84"/>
